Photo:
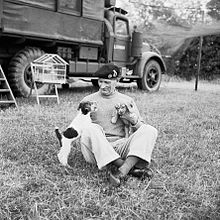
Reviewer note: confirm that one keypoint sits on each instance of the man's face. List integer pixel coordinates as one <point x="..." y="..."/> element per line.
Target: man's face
<point x="107" y="86"/>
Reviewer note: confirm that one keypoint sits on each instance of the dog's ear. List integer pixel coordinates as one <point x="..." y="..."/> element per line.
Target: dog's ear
<point x="129" y="106"/>
<point x="84" y="107"/>
<point x="70" y="133"/>
<point x="80" y="105"/>
<point x="117" y="106"/>
<point x="114" y="116"/>
<point x="85" y="110"/>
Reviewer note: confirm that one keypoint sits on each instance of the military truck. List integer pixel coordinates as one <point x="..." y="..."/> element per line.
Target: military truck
<point x="85" y="33"/>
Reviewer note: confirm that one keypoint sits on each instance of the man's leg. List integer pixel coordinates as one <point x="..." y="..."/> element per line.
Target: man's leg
<point x="137" y="149"/>
<point x="96" y="149"/>
<point x="142" y="142"/>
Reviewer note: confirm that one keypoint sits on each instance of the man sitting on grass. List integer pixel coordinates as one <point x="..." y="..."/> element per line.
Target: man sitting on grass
<point x="104" y="142"/>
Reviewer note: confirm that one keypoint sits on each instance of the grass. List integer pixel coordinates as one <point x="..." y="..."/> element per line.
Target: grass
<point x="33" y="185"/>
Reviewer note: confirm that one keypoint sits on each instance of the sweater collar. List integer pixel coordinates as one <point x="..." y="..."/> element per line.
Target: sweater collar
<point x="108" y="96"/>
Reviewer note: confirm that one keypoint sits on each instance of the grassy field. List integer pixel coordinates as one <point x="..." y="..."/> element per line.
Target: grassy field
<point x="33" y="185"/>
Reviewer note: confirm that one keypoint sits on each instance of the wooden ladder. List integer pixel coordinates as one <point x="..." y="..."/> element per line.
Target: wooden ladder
<point x="6" y="95"/>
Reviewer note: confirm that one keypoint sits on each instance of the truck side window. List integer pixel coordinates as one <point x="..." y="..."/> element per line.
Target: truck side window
<point x="121" y="27"/>
<point x="70" y="6"/>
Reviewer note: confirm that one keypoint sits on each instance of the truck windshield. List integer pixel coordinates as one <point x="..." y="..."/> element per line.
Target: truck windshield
<point x="121" y="27"/>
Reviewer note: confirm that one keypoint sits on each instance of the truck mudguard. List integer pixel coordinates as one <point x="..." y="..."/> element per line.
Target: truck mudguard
<point x="146" y="56"/>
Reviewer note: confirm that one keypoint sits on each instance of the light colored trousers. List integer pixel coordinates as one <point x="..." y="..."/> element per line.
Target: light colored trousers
<point x="98" y="150"/>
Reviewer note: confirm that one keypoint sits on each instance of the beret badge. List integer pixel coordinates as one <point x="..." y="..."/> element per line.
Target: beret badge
<point x="112" y="75"/>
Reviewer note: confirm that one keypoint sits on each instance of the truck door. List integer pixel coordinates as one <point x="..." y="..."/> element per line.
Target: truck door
<point x="121" y="49"/>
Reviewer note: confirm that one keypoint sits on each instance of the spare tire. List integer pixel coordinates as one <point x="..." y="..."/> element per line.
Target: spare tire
<point x="19" y="72"/>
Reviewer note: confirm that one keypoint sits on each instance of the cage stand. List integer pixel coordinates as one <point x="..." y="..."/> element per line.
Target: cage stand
<point x="56" y="95"/>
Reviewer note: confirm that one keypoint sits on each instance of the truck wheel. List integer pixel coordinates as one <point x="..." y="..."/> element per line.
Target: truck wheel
<point x="19" y="72"/>
<point x="152" y="77"/>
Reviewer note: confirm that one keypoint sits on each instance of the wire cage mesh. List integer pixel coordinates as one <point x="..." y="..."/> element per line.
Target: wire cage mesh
<point x="49" y="68"/>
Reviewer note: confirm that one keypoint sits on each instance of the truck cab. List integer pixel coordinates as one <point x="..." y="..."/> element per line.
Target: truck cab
<point x="140" y="62"/>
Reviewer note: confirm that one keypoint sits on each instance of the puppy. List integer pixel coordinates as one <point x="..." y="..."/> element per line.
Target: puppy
<point x="120" y="110"/>
<point x="74" y="130"/>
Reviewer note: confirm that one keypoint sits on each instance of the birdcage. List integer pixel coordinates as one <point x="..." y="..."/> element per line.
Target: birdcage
<point x="49" y="68"/>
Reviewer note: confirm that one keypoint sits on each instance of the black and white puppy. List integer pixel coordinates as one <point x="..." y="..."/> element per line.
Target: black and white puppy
<point x="73" y="131"/>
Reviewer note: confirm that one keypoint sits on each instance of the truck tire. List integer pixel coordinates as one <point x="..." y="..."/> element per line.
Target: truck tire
<point x="19" y="72"/>
<point x="151" y="78"/>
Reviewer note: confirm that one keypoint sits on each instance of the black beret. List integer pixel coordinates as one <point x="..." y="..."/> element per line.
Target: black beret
<point x="108" y="71"/>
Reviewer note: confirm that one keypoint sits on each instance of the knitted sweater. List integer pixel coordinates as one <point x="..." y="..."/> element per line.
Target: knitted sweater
<point x="103" y="116"/>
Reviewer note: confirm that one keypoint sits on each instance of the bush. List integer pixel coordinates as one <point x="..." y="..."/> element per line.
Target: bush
<point x="186" y="59"/>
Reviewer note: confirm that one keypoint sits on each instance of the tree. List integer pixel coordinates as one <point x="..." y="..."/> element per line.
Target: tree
<point x="214" y="9"/>
<point x="174" y="26"/>
<point x="166" y="23"/>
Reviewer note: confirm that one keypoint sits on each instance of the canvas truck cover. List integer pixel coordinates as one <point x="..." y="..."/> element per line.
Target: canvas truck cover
<point x="62" y="20"/>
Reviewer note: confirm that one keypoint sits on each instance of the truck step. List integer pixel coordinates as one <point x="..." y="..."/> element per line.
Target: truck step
<point x="7" y="102"/>
<point x="47" y="96"/>
<point x="4" y="90"/>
